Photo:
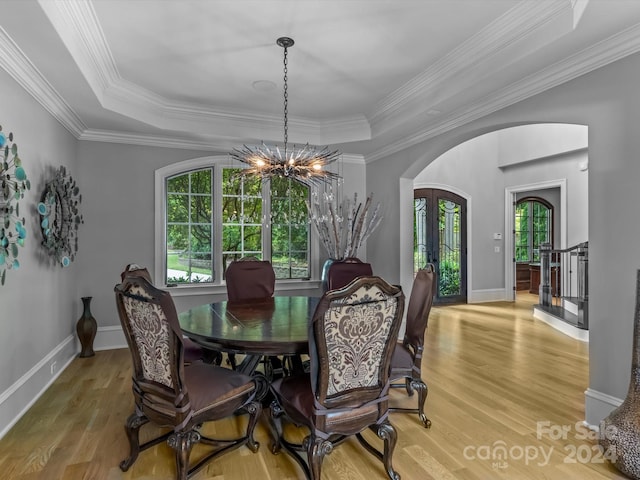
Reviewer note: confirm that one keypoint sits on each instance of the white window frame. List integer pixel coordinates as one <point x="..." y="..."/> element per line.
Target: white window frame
<point x="217" y="286"/>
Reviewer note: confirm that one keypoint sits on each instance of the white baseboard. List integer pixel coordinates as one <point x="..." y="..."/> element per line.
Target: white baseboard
<point x="109" y="338"/>
<point x="19" y="397"/>
<point x="562" y="326"/>
<point x="488" y="295"/>
<point x="598" y="405"/>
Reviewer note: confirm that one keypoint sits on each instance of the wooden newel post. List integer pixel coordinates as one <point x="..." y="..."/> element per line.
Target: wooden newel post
<point x="583" y="271"/>
<point x="545" y="275"/>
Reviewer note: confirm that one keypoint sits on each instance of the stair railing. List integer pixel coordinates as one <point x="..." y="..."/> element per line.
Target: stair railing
<point x="565" y="276"/>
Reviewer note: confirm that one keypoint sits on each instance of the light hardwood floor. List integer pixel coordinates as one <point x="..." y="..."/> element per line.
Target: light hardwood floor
<point x="499" y="381"/>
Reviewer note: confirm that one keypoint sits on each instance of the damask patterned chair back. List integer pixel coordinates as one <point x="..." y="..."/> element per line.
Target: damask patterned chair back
<point x="353" y="336"/>
<point x="250" y="278"/>
<point x="150" y="324"/>
<point x="192" y="351"/>
<point x="342" y="272"/>
<point x="351" y="339"/>
<point x="406" y="363"/>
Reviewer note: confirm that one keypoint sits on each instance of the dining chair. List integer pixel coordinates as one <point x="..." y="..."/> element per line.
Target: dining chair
<point x="192" y="351"/>
<point x="172" y="395"/>
<point x="341" y="272"/>
<point x="250" y="278"/>
<point x="351" y="340"/>
<point x="406" y="363"/>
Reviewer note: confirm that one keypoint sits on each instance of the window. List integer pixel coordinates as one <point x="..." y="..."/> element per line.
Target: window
<point x="289" y="228"/>
<point x="533" y="227"/>
<point x="241" y="217"/>
<point x="189" y="227"/>
<point x="212" y="216"/>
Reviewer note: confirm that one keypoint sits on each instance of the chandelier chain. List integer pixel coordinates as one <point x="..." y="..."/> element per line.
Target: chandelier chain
<point x="286" y="101"/>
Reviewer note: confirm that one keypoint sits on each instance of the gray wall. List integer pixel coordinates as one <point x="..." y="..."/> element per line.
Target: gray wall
<point x="119" y="211"/>
<point x="474" y="170"/>
<point x="607" y="102"/>
<point x="568" y="166"/>
<point x="39" y="302"/>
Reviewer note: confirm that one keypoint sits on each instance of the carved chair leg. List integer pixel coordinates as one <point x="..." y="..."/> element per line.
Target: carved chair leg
<point x="390" y="437"/>
<point x="275" y="426"/>
<point x="423" y="391"/>
<point x="182" y="443"/>
<point x="317" y="448"/>
<point x="254" y="409"/>
<point x="408" y="383"/>
<point x="132" y="428"/>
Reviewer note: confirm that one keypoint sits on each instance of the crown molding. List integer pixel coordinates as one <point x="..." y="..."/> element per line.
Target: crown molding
<point x="523" y="29"/>
<point x="354" y="159"/>
<point x="614" y="48"/>
<point x="15" y="63"/>
<point x="79" y="29"/>
<point x="162" y="141"/>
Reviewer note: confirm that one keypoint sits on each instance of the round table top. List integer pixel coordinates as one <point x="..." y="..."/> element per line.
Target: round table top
<point x="277" y="325"/>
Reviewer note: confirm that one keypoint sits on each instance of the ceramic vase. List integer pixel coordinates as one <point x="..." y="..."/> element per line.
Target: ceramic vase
<point x="86" y="329"/>
<point x="620" y="431"/>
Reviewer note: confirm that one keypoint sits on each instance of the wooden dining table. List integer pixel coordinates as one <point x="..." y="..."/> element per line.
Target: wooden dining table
<point x="255" y="328"/>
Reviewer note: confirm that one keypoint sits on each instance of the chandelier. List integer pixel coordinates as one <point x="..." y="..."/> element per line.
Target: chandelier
<point x="306" y="165"/>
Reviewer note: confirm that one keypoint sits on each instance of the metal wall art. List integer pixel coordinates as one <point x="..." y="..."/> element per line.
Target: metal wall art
<point x="13" y="183"/>
<point x="60" y="217"/>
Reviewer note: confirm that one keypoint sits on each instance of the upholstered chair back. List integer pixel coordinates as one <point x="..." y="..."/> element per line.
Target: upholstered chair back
<point x="249" y="279"/>
<point x="419" y="307"/>
<point x="343" y="271"/>
<point x="134" y="269"/>
<point x="353" y="334"/>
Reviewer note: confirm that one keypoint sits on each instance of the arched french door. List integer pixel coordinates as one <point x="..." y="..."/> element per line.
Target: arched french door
<point x="440" y="238"/>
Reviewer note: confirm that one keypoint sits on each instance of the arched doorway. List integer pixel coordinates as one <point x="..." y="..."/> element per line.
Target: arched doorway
<point x="440" y="238"/>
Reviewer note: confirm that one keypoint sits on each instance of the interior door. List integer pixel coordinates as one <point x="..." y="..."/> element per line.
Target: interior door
<point x="440" y="238"/>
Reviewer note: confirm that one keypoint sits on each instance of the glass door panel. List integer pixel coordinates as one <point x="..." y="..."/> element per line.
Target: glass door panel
<point x="440" y="239"/>
<point x="449" y="244"/>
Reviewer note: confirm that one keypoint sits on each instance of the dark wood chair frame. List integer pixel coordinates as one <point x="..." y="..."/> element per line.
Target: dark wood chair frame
<point x="418" y="309"/>
<point x="324" y="434"/>
<point x="170" y="406"/>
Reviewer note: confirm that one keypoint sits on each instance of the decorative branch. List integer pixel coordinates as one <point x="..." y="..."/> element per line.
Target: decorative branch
<point x="342" y="237"/>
